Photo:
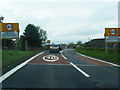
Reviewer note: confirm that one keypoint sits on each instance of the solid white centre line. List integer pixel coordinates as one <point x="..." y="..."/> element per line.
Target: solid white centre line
<point x="85" y="74"/>
<point x="6" y="75"/>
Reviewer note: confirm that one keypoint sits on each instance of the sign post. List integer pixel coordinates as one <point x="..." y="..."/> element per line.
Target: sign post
<point x="112" y="35"/>
<point x="48" y="41"/>
<point x="9" y="30"/>
<point x="106" y="48"/>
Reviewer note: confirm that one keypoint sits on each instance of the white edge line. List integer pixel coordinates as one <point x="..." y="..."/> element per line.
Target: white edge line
<point x="63" y="56"/>
<point x="6" y="75"/>
<point x="85" y="74"/>
<point x="99" y="60"/>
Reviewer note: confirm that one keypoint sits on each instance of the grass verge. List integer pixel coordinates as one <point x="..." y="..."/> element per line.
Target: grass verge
<point x="10" y="57"/>
<point x="111" y="56"/>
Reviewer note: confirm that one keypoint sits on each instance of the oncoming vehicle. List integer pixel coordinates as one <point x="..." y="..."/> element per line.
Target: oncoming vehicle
<point x="54" y="48"/>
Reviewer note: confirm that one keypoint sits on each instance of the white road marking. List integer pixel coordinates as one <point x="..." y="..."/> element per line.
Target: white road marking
<point x="61" y="51"/>
<point x="67" y="49"/>
<point x="85" y="74"/>
<point x="50" y="58"/>
<point x="9" y="73"/>
<point x="63" y="56"/>
<point x="49" y="64"/>
<point x="99" y="60"/>
<point x="84" y="65"/>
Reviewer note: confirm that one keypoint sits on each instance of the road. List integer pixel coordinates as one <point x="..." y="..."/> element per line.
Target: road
<point x="71" y="70"/>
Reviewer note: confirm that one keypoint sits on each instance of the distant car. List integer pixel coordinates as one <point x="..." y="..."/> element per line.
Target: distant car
<point x="54" y="48"/>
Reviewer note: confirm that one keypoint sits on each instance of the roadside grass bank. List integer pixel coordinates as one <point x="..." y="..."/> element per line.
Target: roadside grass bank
<point x="111" y="56"/>
<point x="10" y="57"/>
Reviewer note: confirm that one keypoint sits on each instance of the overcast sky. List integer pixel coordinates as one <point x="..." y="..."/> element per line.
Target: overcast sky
<point x="64" y="20"/>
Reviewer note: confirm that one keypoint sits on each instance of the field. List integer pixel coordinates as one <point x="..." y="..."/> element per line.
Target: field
<point x="111" y="55"/>
<point x="10" y="57"/>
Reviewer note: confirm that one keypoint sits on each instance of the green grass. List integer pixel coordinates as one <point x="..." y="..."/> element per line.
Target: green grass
<point x="10" y="57"/>
<point x="100" y="54"/>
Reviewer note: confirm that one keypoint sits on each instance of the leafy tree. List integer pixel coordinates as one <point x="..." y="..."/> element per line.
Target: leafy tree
<point x="43" y="36"/>
<point x="22" y="42"/>
<point x="7" y="44"/>
<point x="32" y="36"/>
<point x="79" y="43"/>
<point x="72" y="45"/>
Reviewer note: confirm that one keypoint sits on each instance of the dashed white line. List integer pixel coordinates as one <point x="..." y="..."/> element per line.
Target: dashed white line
<point x="9" y="73"/>
<point x="99" y="60"/>
<point x="85" y="74"/>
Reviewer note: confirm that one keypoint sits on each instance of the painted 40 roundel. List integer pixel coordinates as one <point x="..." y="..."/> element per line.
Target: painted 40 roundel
<point x="9" y="27"/>
<point x="112" y="31"/>
<point x="50" y="58"/>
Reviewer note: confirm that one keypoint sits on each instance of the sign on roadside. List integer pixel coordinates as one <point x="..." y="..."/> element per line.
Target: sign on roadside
<point x="48" y="41"/>
<point x="112" y="31"/>
<point x="9" y="30"/>
<point x="112" y="35"/>
<point x="112" y="39"/>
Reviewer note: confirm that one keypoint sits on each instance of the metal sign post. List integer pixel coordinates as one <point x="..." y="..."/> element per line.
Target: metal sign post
<point x="9" y="30"/>
<point x="106" y="48"/>
<point x="112" y="35"/>
<point x="113" y="47"/>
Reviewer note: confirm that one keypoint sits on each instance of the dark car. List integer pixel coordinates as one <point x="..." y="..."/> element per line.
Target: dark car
<point x="54" y="48"/>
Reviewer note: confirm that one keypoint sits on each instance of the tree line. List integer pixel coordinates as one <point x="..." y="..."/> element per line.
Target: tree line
<point x="73" y="45"/>
<point x="33" y="37"/>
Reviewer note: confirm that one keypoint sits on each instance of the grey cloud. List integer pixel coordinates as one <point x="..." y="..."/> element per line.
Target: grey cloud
<point x="64" y="22"/>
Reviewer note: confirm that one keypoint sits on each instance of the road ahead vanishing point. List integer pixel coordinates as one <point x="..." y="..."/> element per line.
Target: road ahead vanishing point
<point x="66" y="69"/>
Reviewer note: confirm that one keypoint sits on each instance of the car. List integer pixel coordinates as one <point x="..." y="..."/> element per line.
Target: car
<point x="54" y="48"/>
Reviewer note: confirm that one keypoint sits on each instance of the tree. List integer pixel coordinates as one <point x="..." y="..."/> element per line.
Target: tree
<point x="7" y="44"/>
<point x="32" y="36"/>
<point x="22" y="42"/>
<point x="43" y="36"/>
<point x="72" y="45"/>
<point x="79" y="43"/>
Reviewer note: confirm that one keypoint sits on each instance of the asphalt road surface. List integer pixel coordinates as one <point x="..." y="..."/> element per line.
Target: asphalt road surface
<point x="69" y="70"/>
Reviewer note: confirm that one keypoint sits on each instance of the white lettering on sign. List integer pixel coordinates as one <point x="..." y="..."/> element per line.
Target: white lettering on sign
<point x="12" y="34"/>
<point x="50" y="58"/>
<point x="9" y="27"/>
<point x="112" y="39"/>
